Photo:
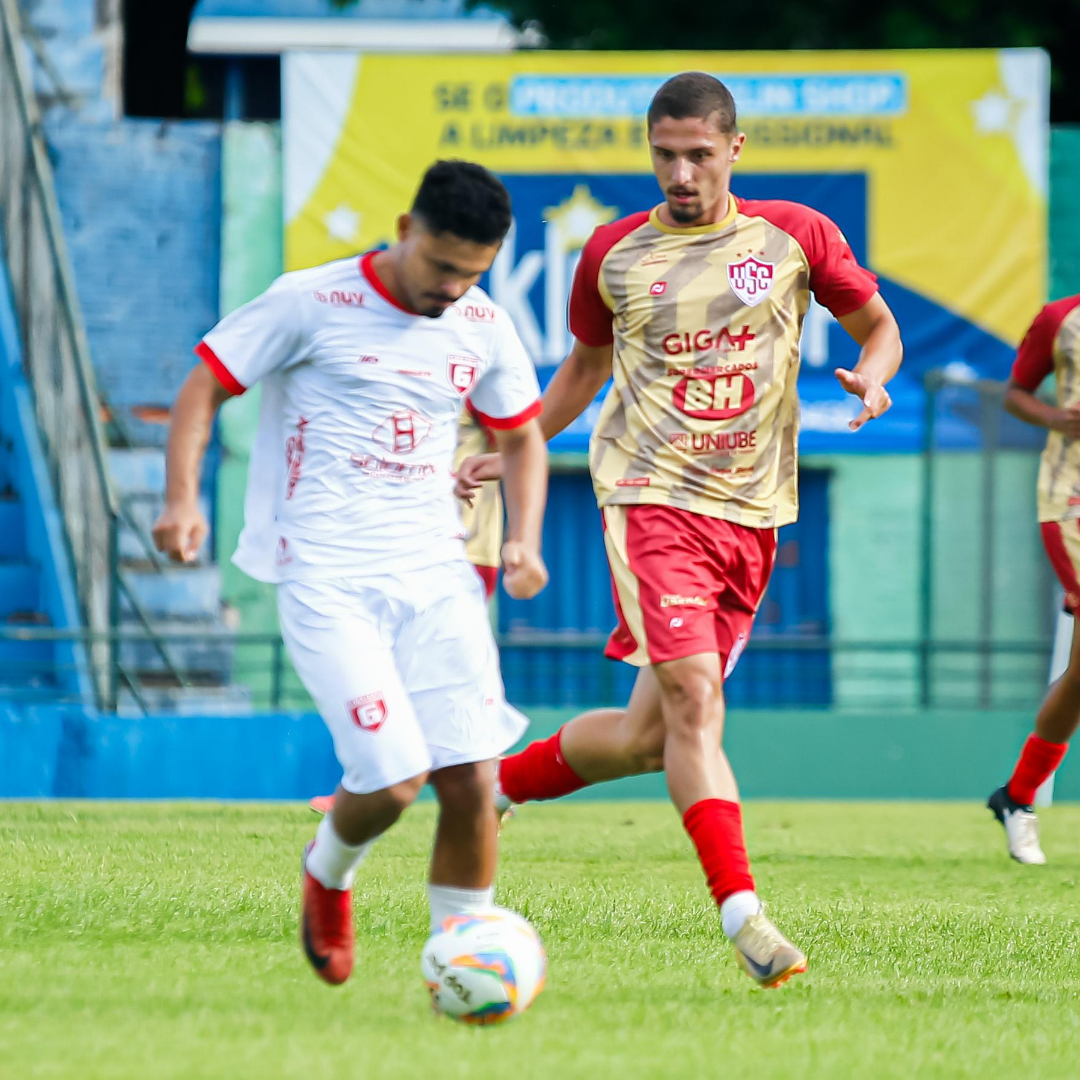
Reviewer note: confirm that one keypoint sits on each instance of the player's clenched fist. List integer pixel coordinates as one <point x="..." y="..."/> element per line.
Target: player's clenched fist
<point x="179" y="532"/>
<point x="524" y="573"/>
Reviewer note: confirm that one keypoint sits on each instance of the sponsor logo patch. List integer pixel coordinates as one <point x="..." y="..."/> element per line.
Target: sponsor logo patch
<point x="339" y="298"/>
<point x="722" y="442"/>
<point x="717" y="398"/>
<point x="706" y="340"/>
<point x="633" y="481"/>
<point x="676" y="600"/>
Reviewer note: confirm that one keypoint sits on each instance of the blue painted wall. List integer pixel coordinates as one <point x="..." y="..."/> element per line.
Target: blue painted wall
<point x="141" y="207"/>
<point x="54" y="751"/>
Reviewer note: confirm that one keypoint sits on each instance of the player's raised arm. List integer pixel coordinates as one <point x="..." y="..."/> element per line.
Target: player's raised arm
<point x="874" y="327"/>
<point x="579" y="378"/>
<point x="1034" y="361"/>
<point x="181" y="527"/>
<point x="850" y="292"/>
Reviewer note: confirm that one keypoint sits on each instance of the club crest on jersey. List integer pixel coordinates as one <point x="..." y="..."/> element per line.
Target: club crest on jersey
<point x="368" y="712"/>
<point x="402" y="432"/>
<point x="751" y="279"/>
<point x="462" y="371"/>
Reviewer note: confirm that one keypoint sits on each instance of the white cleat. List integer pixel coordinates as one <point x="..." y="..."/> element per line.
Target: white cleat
<point x="1021" y="828"/>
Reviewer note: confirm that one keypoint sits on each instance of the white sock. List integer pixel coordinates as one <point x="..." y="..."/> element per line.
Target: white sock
<point x="332" y="862"/>
<point x="447" y="900"/>
<point x="736" y="909"/>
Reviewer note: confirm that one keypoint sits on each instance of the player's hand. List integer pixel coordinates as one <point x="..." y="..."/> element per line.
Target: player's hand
<point x="473" y="471"/>
<point x="1067" y="421"/>
<point x="873" y="395"/>
<point x="180" y="531"/>
<point x="524" y="573"/>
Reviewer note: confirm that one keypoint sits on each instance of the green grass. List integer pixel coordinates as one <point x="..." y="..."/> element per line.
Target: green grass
<point x="158" y="941"/>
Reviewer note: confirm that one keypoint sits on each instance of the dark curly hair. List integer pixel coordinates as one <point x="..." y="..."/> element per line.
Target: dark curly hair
<point x="464" y="199"/>
<point x="693" y="93"/>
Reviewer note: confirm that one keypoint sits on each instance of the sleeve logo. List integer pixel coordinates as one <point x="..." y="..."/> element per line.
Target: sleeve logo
<point x="751" y="279"/>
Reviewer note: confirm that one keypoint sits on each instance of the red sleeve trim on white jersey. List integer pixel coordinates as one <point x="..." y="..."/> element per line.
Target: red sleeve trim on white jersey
<point x="508" y="423"/>
<point x="221" y="372"/>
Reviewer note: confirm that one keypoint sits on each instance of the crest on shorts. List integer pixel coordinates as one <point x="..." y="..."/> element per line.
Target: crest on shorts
<point x="462" y="371"/>
<point x="368" y="712"/>
<point x="750" y="279"/>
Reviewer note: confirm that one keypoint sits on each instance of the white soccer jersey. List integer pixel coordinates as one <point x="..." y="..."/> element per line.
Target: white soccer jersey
<point x="351" y="471"/>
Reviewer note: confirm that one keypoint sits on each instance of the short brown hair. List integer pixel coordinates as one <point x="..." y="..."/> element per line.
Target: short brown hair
<point x="693" y="93"/>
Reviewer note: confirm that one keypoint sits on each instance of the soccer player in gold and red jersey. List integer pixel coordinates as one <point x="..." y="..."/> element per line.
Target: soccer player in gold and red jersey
<point x="1051" y="345"/>
<point x="695" y="307"/>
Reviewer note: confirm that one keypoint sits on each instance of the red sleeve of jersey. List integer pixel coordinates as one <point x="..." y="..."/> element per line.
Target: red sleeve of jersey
<point x="223" y="374"/>
<point x="590" y="317"/>
<point x="1035" y="357"/>
<point x="508" y="423"/>
<point x="836" y="279"/>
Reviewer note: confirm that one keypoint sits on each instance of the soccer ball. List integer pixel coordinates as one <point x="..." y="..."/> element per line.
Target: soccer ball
<point x="484" y="969"/>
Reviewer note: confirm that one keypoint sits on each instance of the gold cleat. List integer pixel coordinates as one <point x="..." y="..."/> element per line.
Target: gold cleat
<point x="765" y="954"/>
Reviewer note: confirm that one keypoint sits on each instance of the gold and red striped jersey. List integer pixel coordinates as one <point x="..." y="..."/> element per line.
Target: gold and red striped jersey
<point x="1052" y="344"/>
<point x="705" y="323"/>
<point x="483" y="520"/>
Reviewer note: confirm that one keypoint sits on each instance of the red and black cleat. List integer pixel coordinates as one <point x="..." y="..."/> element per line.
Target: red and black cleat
<point x="326" y="928"/>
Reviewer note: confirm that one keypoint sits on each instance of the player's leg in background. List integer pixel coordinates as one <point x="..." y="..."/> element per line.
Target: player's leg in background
<point x="703" y="789"/>
<point x="1056" y="721"/>
<point x="600" y="745"/>
<point x="466" y="842"/>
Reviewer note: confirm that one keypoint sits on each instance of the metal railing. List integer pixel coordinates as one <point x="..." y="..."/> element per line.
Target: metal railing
<point x="226" y="672"/>
<point x="55" y="353"/>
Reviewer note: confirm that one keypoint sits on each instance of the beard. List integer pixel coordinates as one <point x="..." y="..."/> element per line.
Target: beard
<point x="685" y="213"/>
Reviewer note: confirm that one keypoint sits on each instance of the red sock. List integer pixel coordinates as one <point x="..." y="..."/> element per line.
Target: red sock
<point x="1038" y="760"/>
<point x="538" y="772"/>
<point x="715" y="826"/>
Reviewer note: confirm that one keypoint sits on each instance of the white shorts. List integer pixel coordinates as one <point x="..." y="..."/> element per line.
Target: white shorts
<point x="403" y="669"/>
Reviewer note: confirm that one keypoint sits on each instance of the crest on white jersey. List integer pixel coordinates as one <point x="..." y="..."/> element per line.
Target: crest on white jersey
<point x="462" y="371"/>
<point x="402" y="431"/>
<point x="751" y="279"/>
<point x="368" y="712"/>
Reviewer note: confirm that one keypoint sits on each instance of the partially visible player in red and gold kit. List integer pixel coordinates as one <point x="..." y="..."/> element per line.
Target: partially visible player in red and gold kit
<point x="1051" y="346"/>
<point x="696" y="308"/>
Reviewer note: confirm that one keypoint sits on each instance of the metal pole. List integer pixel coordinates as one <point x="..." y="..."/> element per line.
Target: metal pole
<point x="275" y="682"/>
<point x="931" y="385"/>
<point x="113" y="648"/>
<point x="989" y="425"/>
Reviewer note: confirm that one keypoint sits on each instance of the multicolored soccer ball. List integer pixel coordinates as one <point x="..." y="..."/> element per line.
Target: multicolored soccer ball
<point x="484" y="969"/>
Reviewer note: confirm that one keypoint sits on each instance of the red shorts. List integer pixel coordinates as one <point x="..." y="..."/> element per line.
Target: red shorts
<point x="489" y="575"/>
<point x="1062" y="542"/>
<point x="684" y="583"/>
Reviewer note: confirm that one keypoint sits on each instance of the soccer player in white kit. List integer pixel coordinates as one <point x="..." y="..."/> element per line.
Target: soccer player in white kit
<point x="365" y="365"/>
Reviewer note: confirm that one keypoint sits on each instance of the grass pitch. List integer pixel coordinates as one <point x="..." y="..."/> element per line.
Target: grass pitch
<point x="154" y="942"/>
